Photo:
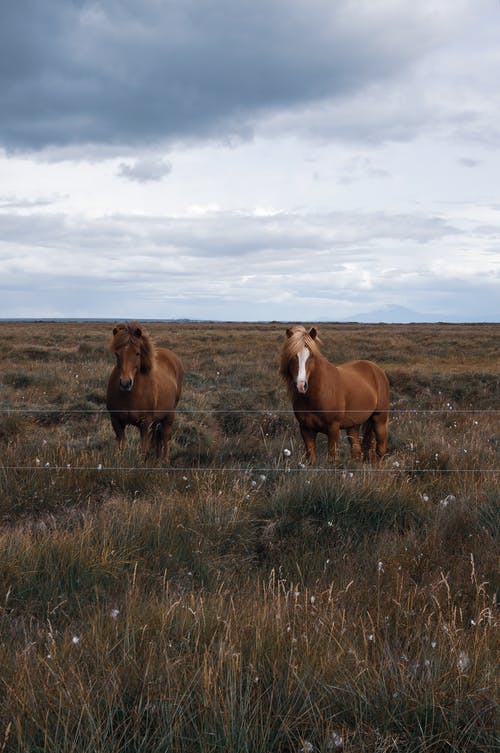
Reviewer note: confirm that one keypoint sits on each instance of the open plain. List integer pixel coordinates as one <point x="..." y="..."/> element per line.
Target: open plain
<point x="237" y="600"/>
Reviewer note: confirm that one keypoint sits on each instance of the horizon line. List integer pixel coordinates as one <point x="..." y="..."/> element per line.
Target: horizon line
<point x="208" y="320"/>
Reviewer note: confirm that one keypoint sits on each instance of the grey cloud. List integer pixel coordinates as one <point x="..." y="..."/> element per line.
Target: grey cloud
<point x="14" y="202"/>
<point x="468" y="162"/>
<point x="227" y="296"/>
<point x="222" y="234"/>
<point x="125" y="73"/>
<point x="324" y="265"/>
<point x="145" y="170"/>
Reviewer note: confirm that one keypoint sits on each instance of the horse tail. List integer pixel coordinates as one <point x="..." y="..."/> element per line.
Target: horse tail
<point x="368" y="431"/>
<point x="180" y="379"/>
<point x="383" y="389"/>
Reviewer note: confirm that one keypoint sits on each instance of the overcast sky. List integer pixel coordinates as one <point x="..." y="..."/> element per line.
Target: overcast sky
<point x="300" y="160"/>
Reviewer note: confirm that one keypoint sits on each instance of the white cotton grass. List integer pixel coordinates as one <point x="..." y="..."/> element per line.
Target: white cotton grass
<point x="287" y="452"/>
<point x="463" y="662"/>
<point x="450" y="499"/>
<point x="335" y="742"/>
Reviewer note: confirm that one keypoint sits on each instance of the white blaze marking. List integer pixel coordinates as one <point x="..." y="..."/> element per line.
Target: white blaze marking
<point x="302" y="355"/>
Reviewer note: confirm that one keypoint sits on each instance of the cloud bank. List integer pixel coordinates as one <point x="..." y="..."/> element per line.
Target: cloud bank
<point x="119" y="73"/>
<point x="258" y="159"/>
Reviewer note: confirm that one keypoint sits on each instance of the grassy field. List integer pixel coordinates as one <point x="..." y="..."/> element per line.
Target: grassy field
<point x="239" y="602"/>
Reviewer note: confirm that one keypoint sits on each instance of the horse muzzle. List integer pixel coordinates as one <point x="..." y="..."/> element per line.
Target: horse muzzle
<point x="302" y="387"/>
<point x="126" y="385"/>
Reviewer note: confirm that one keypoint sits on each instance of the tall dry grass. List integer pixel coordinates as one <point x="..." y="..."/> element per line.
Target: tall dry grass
<point x="240" y="602"/>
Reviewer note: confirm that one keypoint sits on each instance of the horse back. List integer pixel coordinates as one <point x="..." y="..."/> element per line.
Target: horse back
<point x="362" y="377"/>
<point x="169" y="373"/>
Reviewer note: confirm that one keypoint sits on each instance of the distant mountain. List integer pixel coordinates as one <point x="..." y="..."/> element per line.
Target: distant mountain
<point x="391" y="314"/>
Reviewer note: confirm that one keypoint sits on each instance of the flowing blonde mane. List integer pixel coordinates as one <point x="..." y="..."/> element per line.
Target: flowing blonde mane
<point x="297" y="338"/>
<point x="132" y="333"/>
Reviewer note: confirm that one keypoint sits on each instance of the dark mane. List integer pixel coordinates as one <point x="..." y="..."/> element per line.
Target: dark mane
<point x="132" y="333"/>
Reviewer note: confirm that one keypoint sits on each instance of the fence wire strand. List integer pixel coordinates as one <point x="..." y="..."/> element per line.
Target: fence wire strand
<point x="260" y="411"/>
<point x="249" y="470"/>
<point x="450" y="411"/>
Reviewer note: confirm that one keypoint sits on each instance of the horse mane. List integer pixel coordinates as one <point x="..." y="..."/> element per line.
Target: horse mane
<point x="297" y="338"/>
<point x="131" y="333"/>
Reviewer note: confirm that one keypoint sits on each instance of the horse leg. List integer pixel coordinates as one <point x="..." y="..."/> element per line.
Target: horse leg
<point x="167" y="433"/>
<point x="368" y="435"/>
<point x="157" y="437"/>
<point x="145" y="429"/>
<point x="309" y="438"/>
<point x="380" y="422"/>
<point x="119" y="430"/>
<point x="333" y="439"/>
<point x="353" y="436"/>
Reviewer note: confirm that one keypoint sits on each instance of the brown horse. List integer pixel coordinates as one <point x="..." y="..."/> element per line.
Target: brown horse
<point x="144" y="388"/>
<point x="327" y="398"/>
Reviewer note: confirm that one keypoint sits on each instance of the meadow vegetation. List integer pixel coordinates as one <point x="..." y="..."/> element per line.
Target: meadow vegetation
<point x="239" y="601"/>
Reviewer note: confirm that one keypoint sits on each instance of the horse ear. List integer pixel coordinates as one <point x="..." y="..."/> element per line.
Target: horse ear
<point x="115" y="330"/>
<point x="138" y="332"/>
<point x="313" y="333"/>
<point x="289" y="332"/>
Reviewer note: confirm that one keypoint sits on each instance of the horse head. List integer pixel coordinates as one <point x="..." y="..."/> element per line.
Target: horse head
<point x="132" y="349"/>
<point x="300" y="350"/>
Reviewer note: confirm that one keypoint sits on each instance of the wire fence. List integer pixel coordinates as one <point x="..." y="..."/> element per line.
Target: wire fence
<point x="248" y="470"/>
<point x="239" y="411"/>
<point x="287" y="467"/>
